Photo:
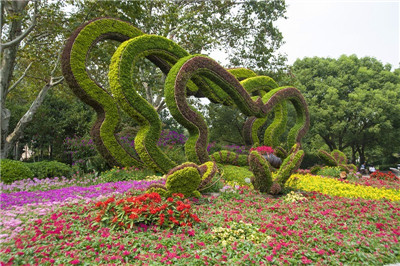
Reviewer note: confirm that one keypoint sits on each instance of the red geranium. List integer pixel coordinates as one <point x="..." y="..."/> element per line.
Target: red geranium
<point x="148" y="208"/>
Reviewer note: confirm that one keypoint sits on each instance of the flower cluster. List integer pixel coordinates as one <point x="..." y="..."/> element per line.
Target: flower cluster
<point x="263" y="149"/>
<point x="239" y="231"/>
<point x="20" y="198"/>
<point x="384" y="176"/>
<point x="294" y="197"/>
<point x="148" y="209"/>
<point x="334" y="187"/>
<point x="171" y="138"/>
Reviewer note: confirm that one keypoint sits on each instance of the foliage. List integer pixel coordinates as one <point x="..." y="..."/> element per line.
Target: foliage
<point x="354" y="104"/>
<point x="214" y="186"/>
<point x="315" y="169"/>
<point x="334" y="187"/>
<point x="239" y="231"/>
<point x="232" y="173"/>
<point x="207" y="171"/>
<point x="45" y="169"/>
<point x="14" y="170"/>
<point x="310" y="159"/>
<point x="289" y="165"/>
<point x="148" y="208"/>
<point x="336" y="158"/>
<point x="184" y="179"/>
<point x="117" y="174"/>
<point x="384" y="176"/>
<point x="228" y="157"/>
<point x="262" y="180"/>
<point x="330" y="171"/>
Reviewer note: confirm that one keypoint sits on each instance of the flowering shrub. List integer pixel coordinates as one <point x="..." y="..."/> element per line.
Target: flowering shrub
<point x="263" y="149"/>
<point x="148" y="208"/>
<point x="239" y="231"/>
<point x="294" y="197"/>
<point x="334" y="187"/>
<point x="384" y="176"/>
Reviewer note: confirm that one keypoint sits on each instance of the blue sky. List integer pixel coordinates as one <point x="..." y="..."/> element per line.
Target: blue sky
<point x="331" y="28"/>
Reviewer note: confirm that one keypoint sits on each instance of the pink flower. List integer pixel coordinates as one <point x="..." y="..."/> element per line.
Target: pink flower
<point x="305" y="260"/>
<point x="76" y="261"/>
<point x="269" y="258"/>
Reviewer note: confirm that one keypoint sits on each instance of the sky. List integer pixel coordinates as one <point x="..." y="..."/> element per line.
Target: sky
<point x="328" y="28"/>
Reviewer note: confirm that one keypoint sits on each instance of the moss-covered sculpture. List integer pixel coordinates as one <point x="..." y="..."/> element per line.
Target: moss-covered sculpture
<point x="262" y="180"/>
<point x="262" y="170"/>
<point x="336" y="158"/>
<point x="187" y="178"/>
<point x="229" y="157"/>
<point x="197" y="75"/>
<point x="73" y="64"/>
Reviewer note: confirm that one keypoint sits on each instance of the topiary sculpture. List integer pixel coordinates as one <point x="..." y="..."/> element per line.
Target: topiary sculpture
<point x="336" y="158"/>
<point x="187" y="178"/>
<point x="263" y="179"/>
<point x="187" y="75"/>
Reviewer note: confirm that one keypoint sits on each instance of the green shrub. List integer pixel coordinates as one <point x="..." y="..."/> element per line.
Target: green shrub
<point x="125" y="174"/>
<point x="236" y="174"/>
<point x="330" y="171"/>
<point x="315" y="169"/>
<point x="14" y="170"/>
<point x="310" y="160"/>
<point x="45" y="169"/>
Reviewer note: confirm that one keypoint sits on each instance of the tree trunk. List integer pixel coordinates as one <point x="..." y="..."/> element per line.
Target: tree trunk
<point x="25" y="119"/>
<point x="8" y="52"/>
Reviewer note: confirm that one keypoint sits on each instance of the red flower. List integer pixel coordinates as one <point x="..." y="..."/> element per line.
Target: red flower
<point x="133" y="216"/>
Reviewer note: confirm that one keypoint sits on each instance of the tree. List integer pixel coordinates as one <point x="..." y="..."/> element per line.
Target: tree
<point x="354" y="104"/>
<point x="18" y="30"/>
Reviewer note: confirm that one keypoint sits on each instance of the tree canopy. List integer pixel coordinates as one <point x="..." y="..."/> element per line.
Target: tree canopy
<point x="354" y="104"/>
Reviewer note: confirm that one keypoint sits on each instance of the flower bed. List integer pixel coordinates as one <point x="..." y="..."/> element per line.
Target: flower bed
<point x="244" y="229"/>
<point x="333" y="186"/>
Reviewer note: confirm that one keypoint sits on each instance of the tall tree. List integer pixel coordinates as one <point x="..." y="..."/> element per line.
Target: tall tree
<point x="19" y="23"/>
<point x="354" y="103"/>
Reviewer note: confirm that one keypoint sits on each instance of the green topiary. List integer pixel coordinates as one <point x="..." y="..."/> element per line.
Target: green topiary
<point x="207" y="172"/>
<point x="229" y="157"/>
<point x="11" y="171"/>
<point x="198" y="75"/>
<point x="315" y="169"/>
<point x="184" y="179"/>
<point x="336" y="158"/>
<point x="262" y="180"/>
<point x="289" y="165"/>
<point x="74" y="70"/>
<point x="45" y="169"/>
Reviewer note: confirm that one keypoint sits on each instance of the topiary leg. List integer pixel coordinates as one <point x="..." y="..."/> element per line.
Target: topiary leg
<point x="260" y="167"/>
<point x="289" y="165"/>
